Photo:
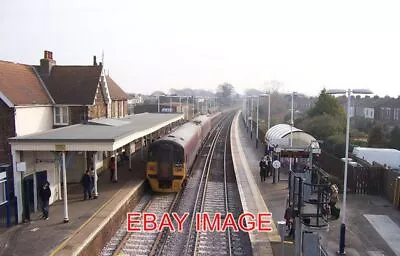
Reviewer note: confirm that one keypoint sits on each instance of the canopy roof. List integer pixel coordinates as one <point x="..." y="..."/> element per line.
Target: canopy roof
<point x="279" y="135"/>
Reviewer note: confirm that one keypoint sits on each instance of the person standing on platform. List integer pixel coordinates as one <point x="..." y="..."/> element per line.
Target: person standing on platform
<point x="44" y="194"/>
<point x="263" y="169"/>
<point x="86" y="183"/>
<point x="111" y="166"/>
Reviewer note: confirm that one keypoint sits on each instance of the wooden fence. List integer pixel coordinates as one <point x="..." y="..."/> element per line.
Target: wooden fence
<point x="368" y="179"/>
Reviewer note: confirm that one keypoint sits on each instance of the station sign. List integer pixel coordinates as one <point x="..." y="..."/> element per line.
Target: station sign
<point x="276" y="164"/>
<point x="21" y="167"/>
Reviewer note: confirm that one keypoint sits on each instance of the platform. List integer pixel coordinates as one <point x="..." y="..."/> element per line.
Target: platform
<point x="362" y="238"/>
<point x="250" y="195"/>
<point x="53" y="237"/>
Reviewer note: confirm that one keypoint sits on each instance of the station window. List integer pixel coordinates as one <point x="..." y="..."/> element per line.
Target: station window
<point x="3" y="198"/>
<point x="61" y="115"/>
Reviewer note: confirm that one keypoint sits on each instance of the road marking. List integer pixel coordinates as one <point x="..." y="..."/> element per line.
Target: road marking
<point x="388" y="230"/>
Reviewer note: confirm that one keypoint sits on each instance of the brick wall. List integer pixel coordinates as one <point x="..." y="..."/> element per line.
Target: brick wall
<point x="99" y="109"/>
<point x="7" y="129"/>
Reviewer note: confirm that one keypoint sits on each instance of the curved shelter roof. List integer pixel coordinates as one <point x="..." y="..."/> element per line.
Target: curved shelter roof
<point x="280" y="135"/>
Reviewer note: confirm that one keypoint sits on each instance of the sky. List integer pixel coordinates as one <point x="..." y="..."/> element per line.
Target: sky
<point x="157" y="45"/>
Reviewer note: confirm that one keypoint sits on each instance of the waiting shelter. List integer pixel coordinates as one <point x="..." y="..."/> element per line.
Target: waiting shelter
<point x="290" y="141"/>
<point x="62" y="155"/>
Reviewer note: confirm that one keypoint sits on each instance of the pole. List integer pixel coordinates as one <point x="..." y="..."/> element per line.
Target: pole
<point x="66" y="219"/>
<point x="251" y="124"/>
<point x="96" y="194"/>
<point x="187" y="107"/>
<point x="258" y="102"/>
<point x="193" y="107"/>
<point x="180" y="103"/>
<point x="245" y="112"/>
<point x="343" y="225"/>
<point x="291" y="134"/>
<point x="170" y="104"/>
<point x="158" y="103"/>
<point x="269" y="111"/>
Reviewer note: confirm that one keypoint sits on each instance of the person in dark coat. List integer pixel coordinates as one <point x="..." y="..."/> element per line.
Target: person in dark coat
<point x="44" y="194"/>
<point x="263" y="169"/>
<point x="111" y="165"/>
<point x="87" y="184"/>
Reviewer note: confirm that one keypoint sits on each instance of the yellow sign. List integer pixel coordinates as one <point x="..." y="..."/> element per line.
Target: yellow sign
<point x="60" y="147"/>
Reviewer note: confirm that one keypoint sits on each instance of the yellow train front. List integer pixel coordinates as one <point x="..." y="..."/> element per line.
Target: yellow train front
<point x="165" y="167"/>
<point x="171" y="156"/>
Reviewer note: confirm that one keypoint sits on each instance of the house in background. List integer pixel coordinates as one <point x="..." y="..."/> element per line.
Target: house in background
<point x="365" y="107"/>
<point x="388" y="112"/>
<point x="119" y="99"/>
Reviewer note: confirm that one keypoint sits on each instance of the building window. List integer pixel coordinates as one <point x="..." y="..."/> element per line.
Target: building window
<point x="388" y="113"/>
<point x="61" y="115"/>
<point x="396" y="114"/>
<point x="3" y="198"/>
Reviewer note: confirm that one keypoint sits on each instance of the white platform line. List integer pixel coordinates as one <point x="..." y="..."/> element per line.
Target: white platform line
<point x="387" y="229"/>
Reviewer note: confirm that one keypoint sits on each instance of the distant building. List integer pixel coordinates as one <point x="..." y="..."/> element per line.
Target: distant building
<point x="388" y="112"/>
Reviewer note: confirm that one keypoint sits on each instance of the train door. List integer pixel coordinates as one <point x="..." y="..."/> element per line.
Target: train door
<point x="165" y="165"/>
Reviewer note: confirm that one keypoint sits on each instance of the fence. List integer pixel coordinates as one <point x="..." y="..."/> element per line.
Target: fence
<point x="363" y="179"/>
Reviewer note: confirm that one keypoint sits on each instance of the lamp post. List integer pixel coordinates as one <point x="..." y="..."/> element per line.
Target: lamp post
<point x="348" y="93"/>
<point x="258" y="103"/>
<point x="291" y="131"/>
<point x="251" y="114"/>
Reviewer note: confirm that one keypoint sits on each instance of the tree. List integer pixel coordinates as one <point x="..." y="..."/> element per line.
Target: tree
<point x="395" y="138"/>
<point x="376" y="138"/>
<point x="225" y="91"/>
<point x="327" y="104"/>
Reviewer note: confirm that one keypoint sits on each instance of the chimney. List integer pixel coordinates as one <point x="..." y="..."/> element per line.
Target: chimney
<point x="47" y="63"/>
<point x="94" y="61"/>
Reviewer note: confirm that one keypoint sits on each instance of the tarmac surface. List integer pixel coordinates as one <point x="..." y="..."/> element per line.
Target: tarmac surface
<point x="41" y="237"/>
<point x="361" y="237"/>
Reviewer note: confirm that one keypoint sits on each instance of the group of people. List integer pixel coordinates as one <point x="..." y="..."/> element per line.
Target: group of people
<point x="265" y="167"/>
<point x="87" y="182"/>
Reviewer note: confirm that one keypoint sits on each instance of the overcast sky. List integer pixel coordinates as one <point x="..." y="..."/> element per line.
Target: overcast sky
<point x="157" y="45"/>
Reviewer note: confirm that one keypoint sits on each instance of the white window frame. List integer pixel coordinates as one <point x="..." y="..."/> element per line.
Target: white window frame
<point x="396" y="114"/>
<point x="3" y="186"/>
<point x="62" y="110"/>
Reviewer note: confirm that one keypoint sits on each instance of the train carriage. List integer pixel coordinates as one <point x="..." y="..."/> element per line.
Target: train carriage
<point x="170" y="157"/>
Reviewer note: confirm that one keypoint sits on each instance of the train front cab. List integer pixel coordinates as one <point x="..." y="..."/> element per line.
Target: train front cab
<point x="166" y="166"/>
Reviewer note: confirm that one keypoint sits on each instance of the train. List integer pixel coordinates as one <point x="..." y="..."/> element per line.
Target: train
<point x="171" y="156"/>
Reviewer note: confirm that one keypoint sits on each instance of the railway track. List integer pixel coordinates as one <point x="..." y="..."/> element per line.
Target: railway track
<point x="142" y="243"/>
<point x="216" y="195"/>
<point x="213" y="195"/>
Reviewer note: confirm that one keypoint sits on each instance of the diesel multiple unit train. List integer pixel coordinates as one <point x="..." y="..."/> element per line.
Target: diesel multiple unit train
<point x="171" y="156"/>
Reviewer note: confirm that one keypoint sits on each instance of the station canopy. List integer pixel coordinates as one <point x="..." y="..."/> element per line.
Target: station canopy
<point x="278" y="137"/>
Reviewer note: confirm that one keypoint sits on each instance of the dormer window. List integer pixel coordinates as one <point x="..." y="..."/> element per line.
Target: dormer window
<point x="61" y="116"/>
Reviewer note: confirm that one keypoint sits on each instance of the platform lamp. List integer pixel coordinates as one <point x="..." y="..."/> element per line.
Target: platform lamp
<point x="348" y="93"/>
<point x="291" y="128"/>
<point x="269" y="113"/>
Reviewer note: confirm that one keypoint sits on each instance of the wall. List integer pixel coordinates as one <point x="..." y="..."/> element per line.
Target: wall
<point x="43" y="161"/>
<point x="33" y="119"/>
<point x="99" y="109"/>
<point x="7" y="127"/>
